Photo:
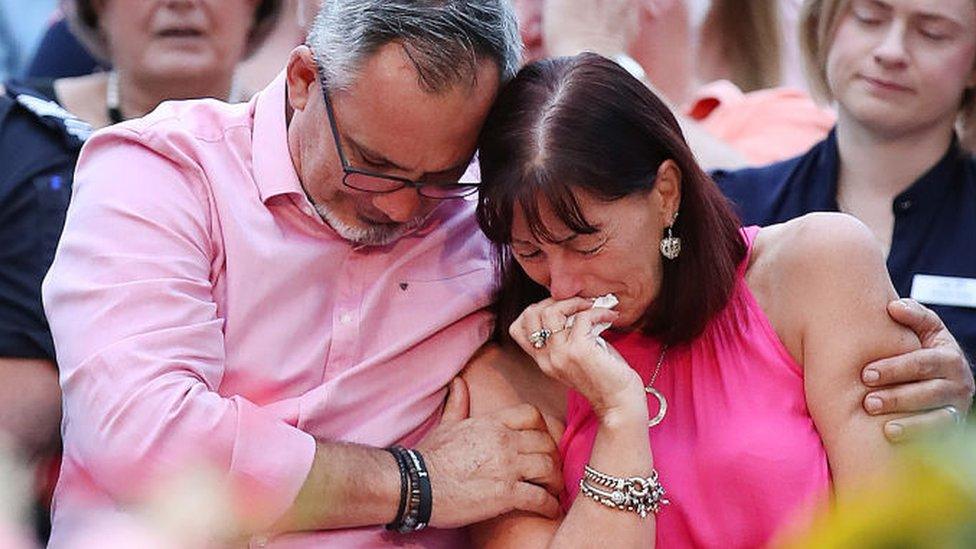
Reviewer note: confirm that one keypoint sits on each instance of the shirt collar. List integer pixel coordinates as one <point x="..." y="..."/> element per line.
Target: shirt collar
<point x="274" y="172"/>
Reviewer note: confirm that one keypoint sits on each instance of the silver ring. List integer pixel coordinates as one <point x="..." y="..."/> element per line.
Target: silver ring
<point x="954" y="412"/>
<point x="539" y="338"/>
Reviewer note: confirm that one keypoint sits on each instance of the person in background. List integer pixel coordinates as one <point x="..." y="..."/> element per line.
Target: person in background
<point x="903" y="76"/>
<point x="259" y="69"/>
<point x="60" y="54"/>
<point x="659" y="41"/>
<point x="158" y="51"/>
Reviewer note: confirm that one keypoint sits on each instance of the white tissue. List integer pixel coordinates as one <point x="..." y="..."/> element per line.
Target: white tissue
<point x="608" y="301"/>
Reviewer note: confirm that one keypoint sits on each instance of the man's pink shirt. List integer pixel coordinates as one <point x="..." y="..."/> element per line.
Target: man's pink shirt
<point x="203" y="313"/>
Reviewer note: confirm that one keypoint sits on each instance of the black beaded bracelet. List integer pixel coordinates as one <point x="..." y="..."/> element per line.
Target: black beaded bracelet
<point x="400" y="455"/>
<point x="426" y="503"/>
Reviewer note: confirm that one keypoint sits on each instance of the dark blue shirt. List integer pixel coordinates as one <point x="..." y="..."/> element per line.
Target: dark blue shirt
<point x="39" y="145"/>
<point x="935" y="218"/>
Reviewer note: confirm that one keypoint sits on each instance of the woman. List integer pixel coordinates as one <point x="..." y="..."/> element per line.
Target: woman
<point x="735" y="353"/>
<point x="903" y="76"/>
<point x="158" y="51"/>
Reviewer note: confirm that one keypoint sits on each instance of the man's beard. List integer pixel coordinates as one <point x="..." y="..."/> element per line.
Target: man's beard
<point x="370" y="234"/>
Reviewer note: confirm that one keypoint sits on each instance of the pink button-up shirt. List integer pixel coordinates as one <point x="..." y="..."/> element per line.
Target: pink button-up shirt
<point x="201" y="310"/>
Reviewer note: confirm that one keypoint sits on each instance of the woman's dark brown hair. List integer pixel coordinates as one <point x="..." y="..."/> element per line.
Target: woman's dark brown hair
<point x="584" y="124"/>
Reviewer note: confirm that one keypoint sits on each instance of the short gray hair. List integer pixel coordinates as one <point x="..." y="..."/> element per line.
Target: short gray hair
<point x="445" y="39"/>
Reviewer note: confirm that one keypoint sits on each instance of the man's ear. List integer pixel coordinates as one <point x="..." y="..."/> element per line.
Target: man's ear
<point x="301" y="74"/>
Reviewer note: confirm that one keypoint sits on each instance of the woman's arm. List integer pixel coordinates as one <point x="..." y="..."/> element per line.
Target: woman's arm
<point x="498" y="378"/>
<point x="831" y="305"/>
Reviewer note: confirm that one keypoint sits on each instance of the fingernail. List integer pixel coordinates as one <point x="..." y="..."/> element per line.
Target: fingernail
<point x="894" y="430"/>
<point x="870" y="375"/>
<point x="873" y="404"/>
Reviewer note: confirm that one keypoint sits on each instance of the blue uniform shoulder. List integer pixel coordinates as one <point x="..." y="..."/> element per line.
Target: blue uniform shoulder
<point x="47" y="113"/>
<point x="764" y="195"/>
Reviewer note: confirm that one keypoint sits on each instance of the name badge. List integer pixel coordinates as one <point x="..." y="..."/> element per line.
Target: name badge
<point x="944" y="290"/>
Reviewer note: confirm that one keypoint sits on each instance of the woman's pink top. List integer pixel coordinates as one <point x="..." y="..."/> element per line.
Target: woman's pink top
<point x="738" y="452"/>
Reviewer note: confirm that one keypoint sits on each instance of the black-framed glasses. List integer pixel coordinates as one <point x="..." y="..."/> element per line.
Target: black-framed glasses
<point x="372" y="182"/>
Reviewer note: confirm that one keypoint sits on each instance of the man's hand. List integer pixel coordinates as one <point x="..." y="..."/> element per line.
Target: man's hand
<point x="484" y="467"/>
<point x="935" y="382"/>
<point x="606" y="27"/>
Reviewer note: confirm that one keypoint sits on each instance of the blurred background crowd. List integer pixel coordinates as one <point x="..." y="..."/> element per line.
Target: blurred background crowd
<point x="733" y="69"/>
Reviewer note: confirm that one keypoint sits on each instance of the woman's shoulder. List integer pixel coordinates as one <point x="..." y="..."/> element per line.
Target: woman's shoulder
<point x="806" y="265"/>
<point x="815" y="243"/>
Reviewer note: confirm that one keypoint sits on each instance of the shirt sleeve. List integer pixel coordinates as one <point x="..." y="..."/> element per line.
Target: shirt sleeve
<point x="140" y="341"/>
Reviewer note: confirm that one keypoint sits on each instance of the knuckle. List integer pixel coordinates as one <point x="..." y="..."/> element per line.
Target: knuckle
<point x="927" y="367"/>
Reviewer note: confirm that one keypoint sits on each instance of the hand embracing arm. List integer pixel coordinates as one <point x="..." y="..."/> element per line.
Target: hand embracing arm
<point x="934" y="383"/>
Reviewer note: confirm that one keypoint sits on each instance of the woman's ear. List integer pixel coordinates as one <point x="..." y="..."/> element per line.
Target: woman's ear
<point x="667" y="185"/>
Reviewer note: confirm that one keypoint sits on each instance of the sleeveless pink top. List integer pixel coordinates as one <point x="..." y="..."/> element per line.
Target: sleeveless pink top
<point x="737" y="452"/>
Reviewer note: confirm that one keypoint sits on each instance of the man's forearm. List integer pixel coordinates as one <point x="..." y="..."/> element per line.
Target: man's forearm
<point x="348" y="486"/>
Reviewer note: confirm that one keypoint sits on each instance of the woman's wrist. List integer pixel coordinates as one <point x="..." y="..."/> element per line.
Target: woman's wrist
<point x="625" y="416"/>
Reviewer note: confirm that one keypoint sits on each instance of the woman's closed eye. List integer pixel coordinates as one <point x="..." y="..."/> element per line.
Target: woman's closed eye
<point x="527" y="253"/>
<point x="593" y="250"/>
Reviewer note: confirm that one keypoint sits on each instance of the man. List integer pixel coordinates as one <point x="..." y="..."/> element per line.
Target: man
<point x="284" y="288"/>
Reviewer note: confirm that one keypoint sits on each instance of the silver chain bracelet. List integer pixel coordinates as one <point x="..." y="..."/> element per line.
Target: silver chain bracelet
<point x="636" y="494"/>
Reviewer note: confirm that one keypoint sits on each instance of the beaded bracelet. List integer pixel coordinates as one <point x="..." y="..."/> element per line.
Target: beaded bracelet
<point x="400" y="456"/>
<point x="416" y="496"/>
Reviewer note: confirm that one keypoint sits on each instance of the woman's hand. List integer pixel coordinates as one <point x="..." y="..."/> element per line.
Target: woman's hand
<point x="577" y="357"/>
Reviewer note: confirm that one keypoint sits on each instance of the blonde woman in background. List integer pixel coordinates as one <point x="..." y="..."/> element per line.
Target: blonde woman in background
<point x="902" y="74"/>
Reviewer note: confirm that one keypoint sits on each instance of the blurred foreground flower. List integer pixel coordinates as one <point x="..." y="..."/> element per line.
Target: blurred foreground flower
<point x="928" y="501"/>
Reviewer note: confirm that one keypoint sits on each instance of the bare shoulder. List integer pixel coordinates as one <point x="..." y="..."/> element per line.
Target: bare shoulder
<point x="816" y="273"/>
<point x="816" y="244"/>
<point x="502" y="376"/>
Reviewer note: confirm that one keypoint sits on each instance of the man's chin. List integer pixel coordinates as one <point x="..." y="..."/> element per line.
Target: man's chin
<point x="365" y="233"/>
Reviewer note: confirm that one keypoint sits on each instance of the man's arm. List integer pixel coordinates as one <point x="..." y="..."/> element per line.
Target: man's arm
<point x="140" y="342"/>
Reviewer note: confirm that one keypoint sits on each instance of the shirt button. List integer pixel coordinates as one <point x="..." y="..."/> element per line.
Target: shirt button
<point x="346" y="318"/>
<point x="905" y="204"/>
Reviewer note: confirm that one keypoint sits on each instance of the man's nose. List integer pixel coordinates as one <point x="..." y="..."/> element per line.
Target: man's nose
<point x="400" y="206"/>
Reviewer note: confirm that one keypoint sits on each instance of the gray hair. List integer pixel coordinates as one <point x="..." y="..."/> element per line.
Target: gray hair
<point x="444" y="39"/>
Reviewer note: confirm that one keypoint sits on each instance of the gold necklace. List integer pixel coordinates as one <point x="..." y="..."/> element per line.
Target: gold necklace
<point x="649" y="389"/>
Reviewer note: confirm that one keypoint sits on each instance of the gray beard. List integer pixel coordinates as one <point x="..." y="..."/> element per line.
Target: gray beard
<point x="370" y="235"/>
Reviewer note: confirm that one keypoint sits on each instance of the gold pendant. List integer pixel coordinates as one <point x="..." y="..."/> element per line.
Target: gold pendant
<point x="662" y="406"/>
